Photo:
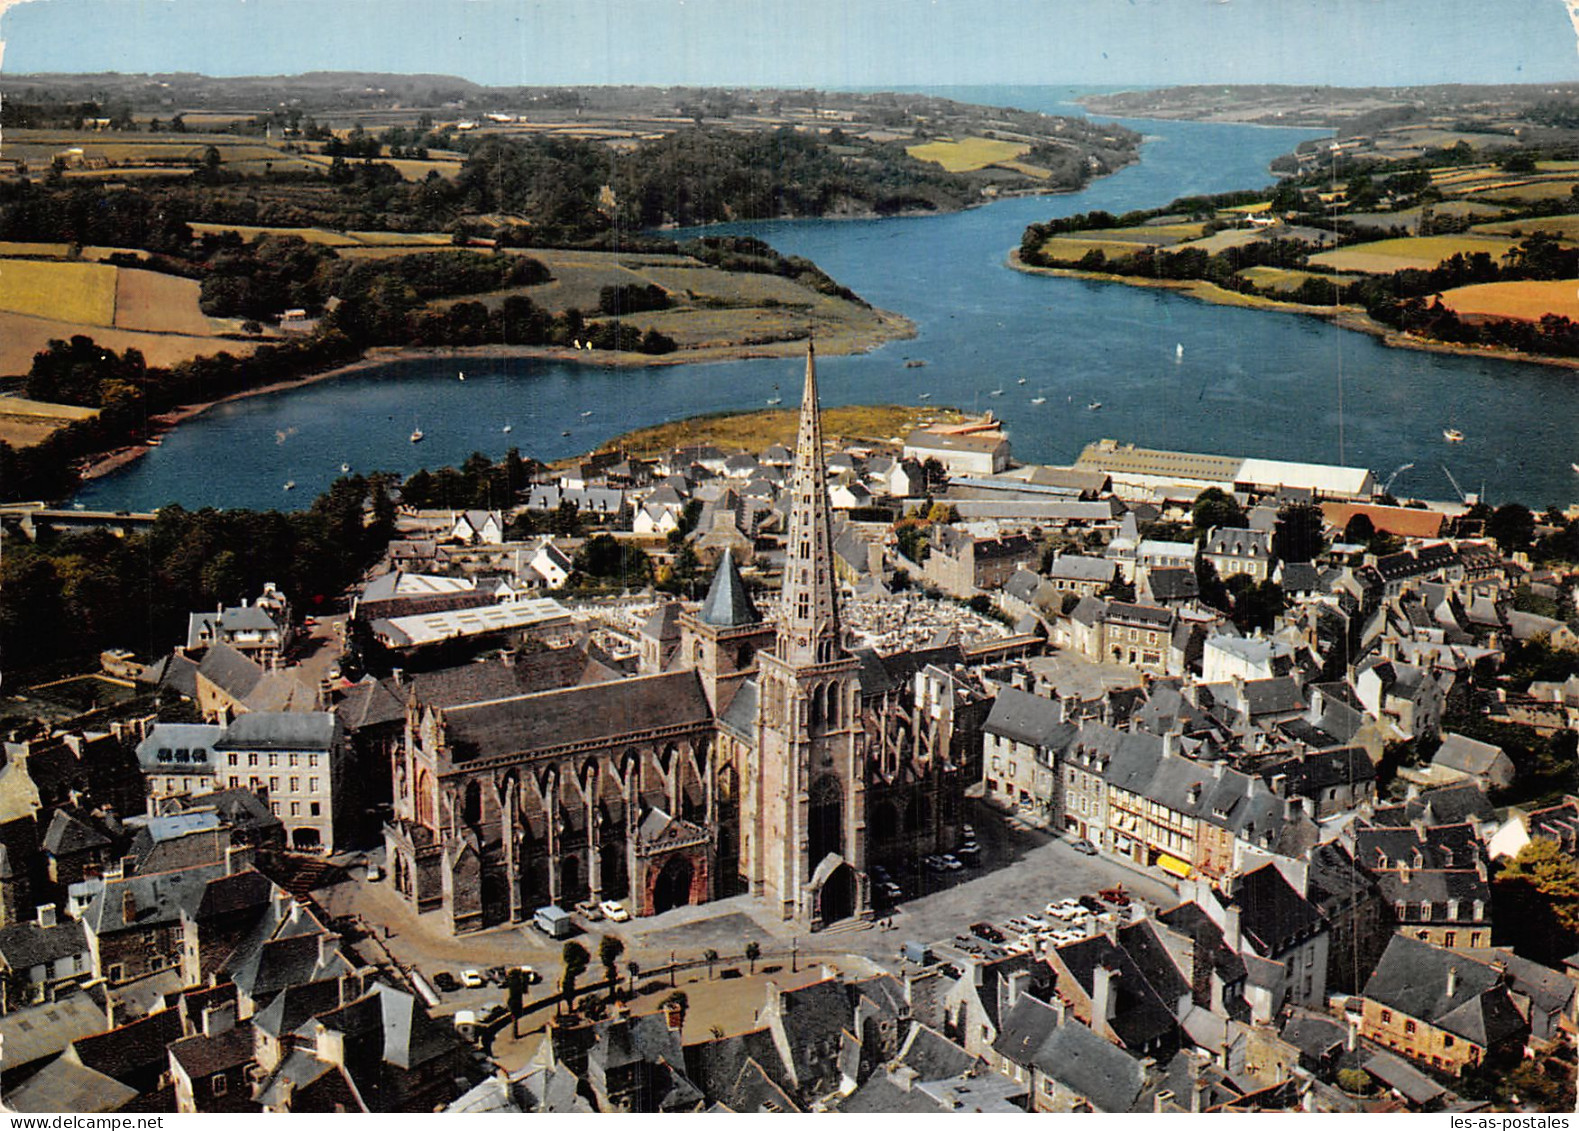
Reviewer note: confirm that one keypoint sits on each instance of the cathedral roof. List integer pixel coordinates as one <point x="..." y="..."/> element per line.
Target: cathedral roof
<point x="728" y="605"/>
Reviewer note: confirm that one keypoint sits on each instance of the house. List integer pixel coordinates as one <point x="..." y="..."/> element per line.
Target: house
<point x="301" y="760"/>
<point x="41" y="959"/>
<point x="178" y="757"/>
<point x="849" y="495"/>
<point x="1168" y="586"/>
<point x="1022" y="739"/>
<point x="259" y="629"/>
<point x="1233" y="550"/>
<point x="212" y="1069"/>
<point x="1463" y="758"/>
<point x="1434" y="878"/>
<point x="1139" y="636"/>
<point x="1067" y="1067"/>
<point x="1225" y="658"/>
<point x="962" y="564"/>
<point x="478" y="527"/>
<point x="1408" y="697"/>
<point x="1082" y="576"/>
<point x="1440" y="1008"/>
<point x="655" y="520"/>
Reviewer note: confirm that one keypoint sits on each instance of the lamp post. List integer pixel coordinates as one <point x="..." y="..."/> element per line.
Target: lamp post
<point x="794" y="955"/>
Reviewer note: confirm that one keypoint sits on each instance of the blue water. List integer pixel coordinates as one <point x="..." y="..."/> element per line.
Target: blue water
<point x="1247" y="382"/>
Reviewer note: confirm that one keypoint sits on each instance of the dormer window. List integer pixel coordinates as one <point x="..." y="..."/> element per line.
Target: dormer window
<point x="1425" y="911"/>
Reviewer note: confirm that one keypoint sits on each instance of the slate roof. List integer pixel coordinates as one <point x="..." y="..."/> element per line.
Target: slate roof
<point x="728" y="604"/>
<point x="193" y="740"/>
<point x="1273" y="916"/>
<point x="1031" y="719"/>
<point x="1412" y="978"/>
<point x="1308" y="775"/>
<point x="1466" y="754"/>
<point x="24" y="945"/>
<point x="580" y="714"/>
<point x="1414" y="1085"/>
<point x="201" y="1056"/>
<point x="69" y="1087"/>
<point x="134" y="1051"/>
<point x="233" y="672"/>
<point x="1140" y="1014"/>
<point x="1172" y="583"/>
<point x="281" y="730"/>
<point x="932" y="1055"/>
<point x="1071" y="1054"/>
<point x="1275" y="696"/>
<point x="39" y="1031"/>
<point x="715" y="1066"/>
<point x="69" y="833"/>
<point x="1076" y="567"/>
<point x="394" y="1023"/>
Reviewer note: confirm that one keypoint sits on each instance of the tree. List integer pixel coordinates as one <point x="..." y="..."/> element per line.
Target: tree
<point x="710" y="956"/>
<point x="1513" y="526"/>
<point x="1213" y="508"/>
<point x="753" y="952"/>
<point x="1296" y="537"/>
<point x="609" y="951"/>
<point x="1537" y="901"/>
<point x="576" y="960"/>
<point x="516" y="982"/>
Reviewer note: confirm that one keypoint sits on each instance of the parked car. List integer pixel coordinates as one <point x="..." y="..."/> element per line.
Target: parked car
<point x="473" y="979"/>
<point x="968" y="851"/>
<point x="967" y="832"/>
<point x="1035" y="922"/>
<point x="892" y="890"/>
<point x="987" y="931"/>
<point x="589" y="910"/>
<point x="532" y="976"/>
<point x="1064" y="909"/>
<point x="445" y="982"/>
<point x="614" y="910"/>
<point x="952" y="863"/>
<point x="934" y="864"/>
<point x="1084" y="847"/>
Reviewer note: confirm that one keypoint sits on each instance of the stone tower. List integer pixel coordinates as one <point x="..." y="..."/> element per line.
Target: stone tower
<point x="804" y="799"/>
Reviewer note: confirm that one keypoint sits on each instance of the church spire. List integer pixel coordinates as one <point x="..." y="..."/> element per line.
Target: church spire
<point x="809" y="621"/>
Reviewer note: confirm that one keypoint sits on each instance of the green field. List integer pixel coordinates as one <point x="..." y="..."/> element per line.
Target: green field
<point x="1415" y="252"/>
<point x="968" y="154"/>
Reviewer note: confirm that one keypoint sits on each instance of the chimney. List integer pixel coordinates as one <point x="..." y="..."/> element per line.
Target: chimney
<point x="1351" y="1042"/>
<point x="331" y="1046"/>
<point x="47" y="915"/>
<point x="1010" y="989"/>
<point x="128" y="905"/>
<point x="1162" y="1102"/>
<point x="1104" y="1000"/>
<point x="328" y="947"/>
<point x="239" y="858"/>
<point x="219" y="1019"/>
<point x="1231" y="928"/>
<point x="1452" y="980"/>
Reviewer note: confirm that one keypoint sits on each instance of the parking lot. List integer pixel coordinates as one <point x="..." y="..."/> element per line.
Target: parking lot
<point x="1021" y="870"/>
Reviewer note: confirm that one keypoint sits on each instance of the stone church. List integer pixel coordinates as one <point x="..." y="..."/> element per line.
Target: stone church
<point x="746" y="755"/>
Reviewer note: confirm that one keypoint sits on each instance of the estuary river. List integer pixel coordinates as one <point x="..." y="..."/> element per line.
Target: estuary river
<point x="1168" y="371"/>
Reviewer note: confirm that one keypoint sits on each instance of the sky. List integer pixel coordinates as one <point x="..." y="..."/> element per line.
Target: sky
<point x="831" y="43"/>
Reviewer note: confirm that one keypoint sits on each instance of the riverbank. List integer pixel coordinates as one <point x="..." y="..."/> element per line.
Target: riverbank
<point x="1347" y="317"/>
<point x="755" y="429"/>
<point x="889" y="327"/>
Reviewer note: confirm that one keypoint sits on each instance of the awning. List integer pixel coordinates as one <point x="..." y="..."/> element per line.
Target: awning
<point x="1174" y="866"/>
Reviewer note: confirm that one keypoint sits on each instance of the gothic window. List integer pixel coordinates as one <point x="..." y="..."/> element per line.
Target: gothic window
<point x="471" y="806"/>
<point x="825" y="819"/>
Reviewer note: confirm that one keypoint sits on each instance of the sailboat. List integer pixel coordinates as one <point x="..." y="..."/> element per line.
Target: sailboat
<point x="998" y="392"/>
<point x="1094" y="405"/>
<point x="507" y="428"/>
<point x="588" y="412"/>
<point x="1040" y="398"/>
<point x="290" y="485"/>
<point x="775" y="399"/>
<point x="461" y="376"/>
<point x="1021" y="381"/>
<point x="345" y="468"/>
<point x="1452" y="435"/>
<point x="1178" y="352"/>
<point x="923" y="396"/>
<point x="416" y="434"/>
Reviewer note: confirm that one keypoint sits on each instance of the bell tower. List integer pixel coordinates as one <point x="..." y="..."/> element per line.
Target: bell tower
<point x="804" y="845"/>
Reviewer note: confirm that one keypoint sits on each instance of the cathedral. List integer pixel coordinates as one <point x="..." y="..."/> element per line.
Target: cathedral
<point x="745" y="756"/>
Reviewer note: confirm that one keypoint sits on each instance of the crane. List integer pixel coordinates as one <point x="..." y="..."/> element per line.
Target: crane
<point x="1463" y="498"/>
<point x="1387" y="488"/>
